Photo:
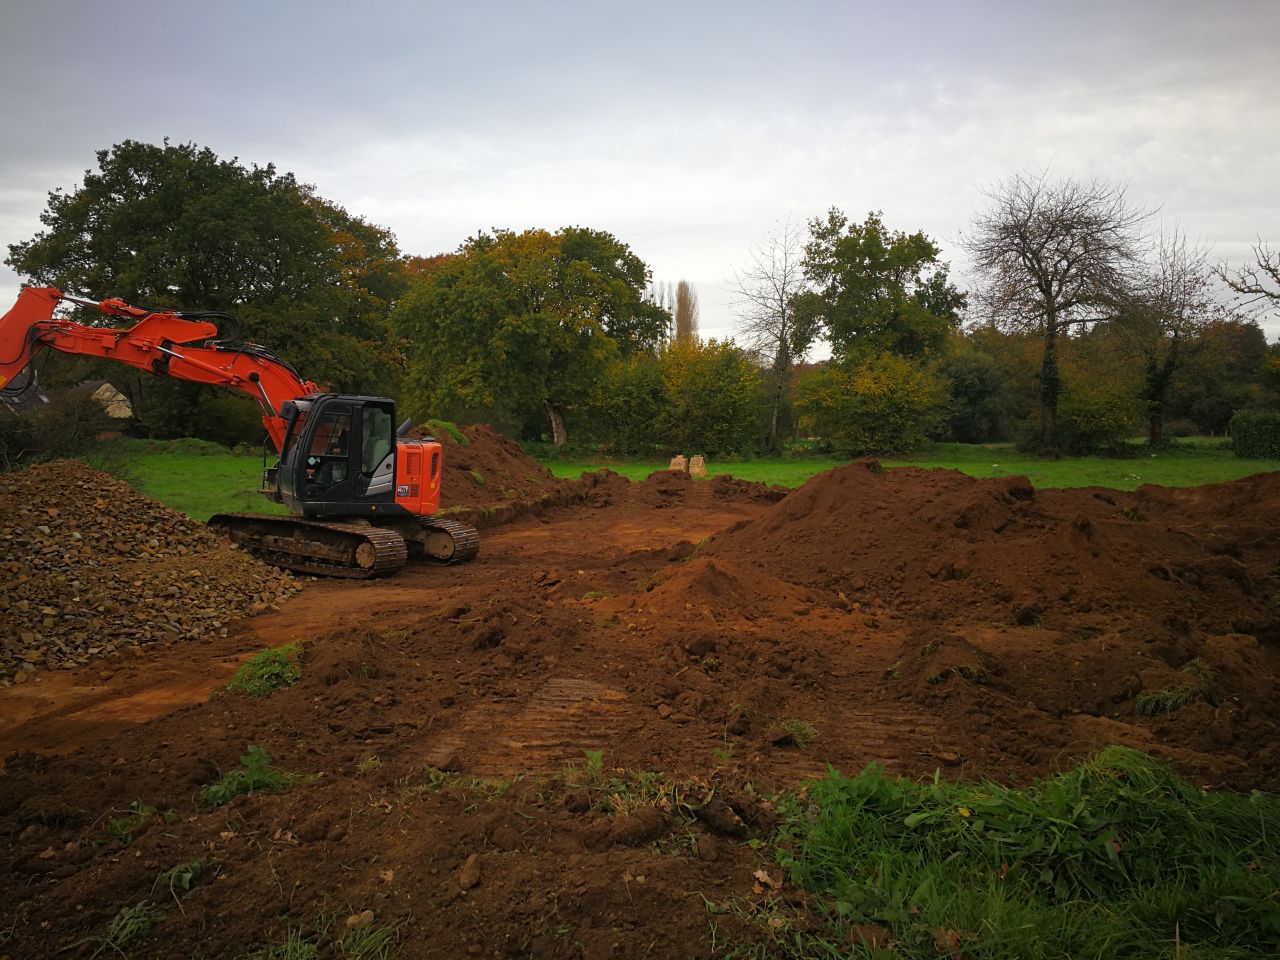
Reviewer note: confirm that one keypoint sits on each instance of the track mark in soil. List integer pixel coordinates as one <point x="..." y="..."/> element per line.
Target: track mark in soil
<point x="563" y="720"/>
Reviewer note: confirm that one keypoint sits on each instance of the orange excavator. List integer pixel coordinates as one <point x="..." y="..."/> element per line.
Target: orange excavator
<point x="363" y="497"/>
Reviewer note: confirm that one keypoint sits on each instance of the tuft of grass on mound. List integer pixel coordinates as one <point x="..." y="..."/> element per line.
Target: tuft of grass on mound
<point x="268" y="670"/>
<point x="1117" y="857"/>
<point x="450" y="430"/>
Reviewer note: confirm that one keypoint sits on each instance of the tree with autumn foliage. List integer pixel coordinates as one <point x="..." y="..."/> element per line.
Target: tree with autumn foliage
<point x="523" y="324"/>
<point x="176" y="226"/>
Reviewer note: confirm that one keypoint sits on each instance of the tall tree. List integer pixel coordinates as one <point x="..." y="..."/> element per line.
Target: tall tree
<point x="1053" y="255"/>
<point x="525" y="322"/>
<point x="174" y="225"/>
<point x="766" y="288"/>
<point x="686" y="311"/>
<point x="876" y="290"/>
<point x="1161" y="316"/>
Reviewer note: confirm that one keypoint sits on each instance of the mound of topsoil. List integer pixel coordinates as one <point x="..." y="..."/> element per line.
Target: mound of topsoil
<point x="1160" y="607"/>
<point x="942" y="544"/>
<point x="89" y="566"/>
<point x="488" y="469"/>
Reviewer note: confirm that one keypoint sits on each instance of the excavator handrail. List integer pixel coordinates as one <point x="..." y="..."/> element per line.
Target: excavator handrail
<point x="161" y="342"/>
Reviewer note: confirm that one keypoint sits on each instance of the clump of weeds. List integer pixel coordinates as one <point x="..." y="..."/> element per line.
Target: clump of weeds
<point x="254" y="775"/>
<point x="268" y="671"/>
<point x="122" y="829"/>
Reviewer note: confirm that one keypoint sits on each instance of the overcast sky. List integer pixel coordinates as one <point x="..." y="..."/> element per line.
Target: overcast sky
<point x="686" y="129"/>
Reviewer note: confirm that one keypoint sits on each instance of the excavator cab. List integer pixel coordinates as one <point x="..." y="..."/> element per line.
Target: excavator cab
<point x="338" y="457"/>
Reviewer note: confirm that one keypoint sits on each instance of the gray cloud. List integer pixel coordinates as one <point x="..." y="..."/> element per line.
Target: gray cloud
<point x="688" y="130"/>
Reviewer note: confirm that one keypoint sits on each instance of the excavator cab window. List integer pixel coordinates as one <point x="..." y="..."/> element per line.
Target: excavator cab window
<point x="327" y="457"/>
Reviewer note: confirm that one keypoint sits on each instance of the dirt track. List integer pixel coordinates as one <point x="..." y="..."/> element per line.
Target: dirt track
<point x="915" y="619"/>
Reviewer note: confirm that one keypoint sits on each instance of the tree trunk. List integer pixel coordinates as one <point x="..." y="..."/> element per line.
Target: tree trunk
<point x="1159" y="377"/>
<point x="558" y="436"/>
<point x="1050" y="388"/>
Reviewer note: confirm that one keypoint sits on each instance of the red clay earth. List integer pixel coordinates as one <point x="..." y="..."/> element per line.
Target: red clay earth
<point x="918" y="619"/>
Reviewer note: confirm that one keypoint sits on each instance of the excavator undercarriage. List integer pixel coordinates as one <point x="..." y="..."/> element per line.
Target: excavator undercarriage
<point x="357" y="550"/>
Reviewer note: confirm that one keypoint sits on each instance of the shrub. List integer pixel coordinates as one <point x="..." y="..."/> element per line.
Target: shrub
<point x="880" y="405"/>
<point x="1256" y="434"/>
<point x="711" y="395"/>
<point x="1093" y="419"/>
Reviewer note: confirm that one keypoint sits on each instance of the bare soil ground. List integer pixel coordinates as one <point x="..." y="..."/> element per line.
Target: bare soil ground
<point x="703" y="630"/>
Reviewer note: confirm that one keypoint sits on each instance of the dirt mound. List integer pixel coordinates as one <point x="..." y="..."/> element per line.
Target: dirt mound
<point x="485" y="469"/>
<point x="1159" y="608"/>
<point x="947" y="545"/>
<point x="90" y="566"/>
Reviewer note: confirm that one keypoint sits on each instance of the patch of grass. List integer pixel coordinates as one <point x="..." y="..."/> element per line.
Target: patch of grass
<point x="370" y="943"/>
<point x="443" y="428"/>
<point x="368" y="765"/>
<point x="294" y="947"/>
<point x="589" y="773"/>
<point x="1116" y="857"/>
<point x="802" y="734"/>
<point x="130" y="925"/>
<point x="1189" y="463"/>
<point x="1163" y="701"/>
<point x="121" y="829"/>
<point x="197" y="478"/>
<point x="478" y="477"/>
<point x="1203" y="674"/>
<point x="254" y="775"/>
<point x="268" y="670"/>
<point x="593" y="595"/>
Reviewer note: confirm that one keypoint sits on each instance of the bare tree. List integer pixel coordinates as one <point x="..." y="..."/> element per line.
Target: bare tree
<point x="766" y="287"/>
<point x="686" y="312"/>
<point x="1053" y="255"/>
<point x="1170" y="303"/>
<point x="1258" y="283"/>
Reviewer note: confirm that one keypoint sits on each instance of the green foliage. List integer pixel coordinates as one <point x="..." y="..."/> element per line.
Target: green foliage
<point x="478" y="477"/>
<point x="627" y="405"/>
<point x="711" y="395"/>
<point x="1111" y="858"/>
<point x="525" y="323"/>
<point x="1093" y="416"/>
<point x="69" y="425"/>
<point x="268" y="670"/>
<point x="883" y="404"/>
<point x="174" y="225"/>
<point x="180" y="879"/>
<point x="254" y="775"/>
<point x="448" y="431"/>
<point x="1256" y="434"/>
<point x="876" y="290"/>
<point x="981" y="407"/>
<point x="121" y="829"/>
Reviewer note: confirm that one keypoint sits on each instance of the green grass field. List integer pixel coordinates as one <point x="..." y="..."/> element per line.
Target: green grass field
<point x="192" y="476"/>
<point x="201" y="479"/>
<point x="1190" y="463"/>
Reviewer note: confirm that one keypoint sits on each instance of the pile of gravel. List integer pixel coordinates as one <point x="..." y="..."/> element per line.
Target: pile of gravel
<point x="89" y="566"/>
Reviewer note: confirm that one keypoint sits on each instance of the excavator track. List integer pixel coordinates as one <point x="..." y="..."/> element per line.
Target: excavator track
<point x="353" y="550"/>
<point x="448" y="541"/>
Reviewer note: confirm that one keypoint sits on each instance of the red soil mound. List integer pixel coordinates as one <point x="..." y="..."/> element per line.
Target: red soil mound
<point x="1085" y="603"/>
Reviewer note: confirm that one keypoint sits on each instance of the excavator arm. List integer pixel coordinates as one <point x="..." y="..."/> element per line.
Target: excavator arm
<point x="166" y="343"/>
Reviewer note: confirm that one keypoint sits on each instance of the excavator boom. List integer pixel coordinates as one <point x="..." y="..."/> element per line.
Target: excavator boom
<point x="162" y="342"/>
